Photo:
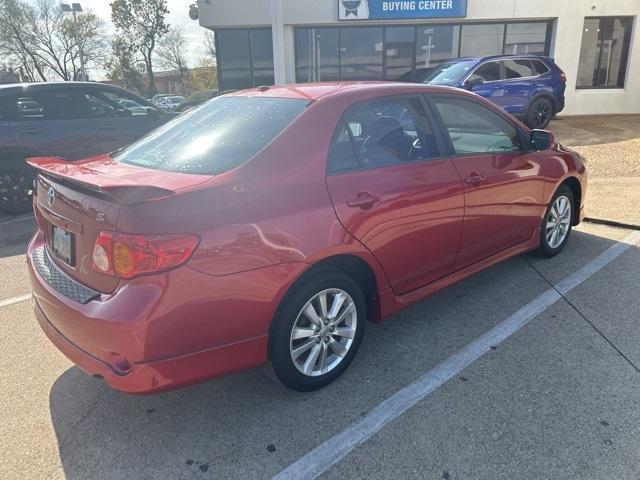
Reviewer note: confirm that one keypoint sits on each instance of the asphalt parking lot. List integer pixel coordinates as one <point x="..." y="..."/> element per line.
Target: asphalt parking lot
<point x="560" y="398"/>
<point x="510" y="374"/>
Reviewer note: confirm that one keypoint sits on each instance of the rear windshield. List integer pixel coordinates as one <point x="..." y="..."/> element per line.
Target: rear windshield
<point x="214" y="138"/>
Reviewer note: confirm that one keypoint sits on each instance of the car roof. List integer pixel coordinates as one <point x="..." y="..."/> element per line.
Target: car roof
<point x="315" y="91"/>
<point x="9" y="88"/>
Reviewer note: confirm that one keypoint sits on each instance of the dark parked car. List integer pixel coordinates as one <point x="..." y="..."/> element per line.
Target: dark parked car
<point x="272" y="223"/>
<point x="71" y="120"/>
<point x="531" y="87"/>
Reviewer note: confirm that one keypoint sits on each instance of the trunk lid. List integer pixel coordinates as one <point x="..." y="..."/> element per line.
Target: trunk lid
<point x="75" y="201"/>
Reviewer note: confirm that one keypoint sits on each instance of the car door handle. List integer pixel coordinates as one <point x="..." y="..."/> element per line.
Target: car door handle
<point x="107" y="127"/>
<point x="364" y="200"/>
<point x="475" y="179"/>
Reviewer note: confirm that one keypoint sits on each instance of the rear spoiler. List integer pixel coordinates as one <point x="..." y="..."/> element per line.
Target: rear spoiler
<point x="121" y="190"/>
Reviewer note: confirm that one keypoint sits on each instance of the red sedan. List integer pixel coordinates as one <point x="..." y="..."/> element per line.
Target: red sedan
<point x="271" y="224"/>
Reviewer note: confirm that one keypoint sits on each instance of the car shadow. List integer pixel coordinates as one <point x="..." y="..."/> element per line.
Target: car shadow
<point x="247" y="425"/>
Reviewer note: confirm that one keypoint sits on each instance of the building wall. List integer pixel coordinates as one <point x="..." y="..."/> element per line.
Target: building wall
<point x="565" y="48"/>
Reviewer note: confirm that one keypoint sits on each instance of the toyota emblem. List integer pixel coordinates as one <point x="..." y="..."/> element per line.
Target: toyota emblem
<point x="51" y="196"/>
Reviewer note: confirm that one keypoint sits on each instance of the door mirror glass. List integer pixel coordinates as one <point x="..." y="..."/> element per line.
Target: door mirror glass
<point x="540" y="139"/>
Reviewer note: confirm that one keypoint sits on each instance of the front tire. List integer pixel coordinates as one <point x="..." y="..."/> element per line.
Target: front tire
<point x="16" y="184"/>
<point x="557" y="223"/>
<point x="317" y="330"/>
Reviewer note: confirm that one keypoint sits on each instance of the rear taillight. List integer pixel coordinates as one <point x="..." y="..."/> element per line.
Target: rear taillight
<point x="127" y="255"/>
<point x="563" y="77"/>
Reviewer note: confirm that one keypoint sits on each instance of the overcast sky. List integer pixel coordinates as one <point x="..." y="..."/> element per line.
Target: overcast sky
<point x="178" y="15"/>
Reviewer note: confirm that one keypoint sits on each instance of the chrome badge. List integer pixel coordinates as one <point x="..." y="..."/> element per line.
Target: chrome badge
<point x="51" y="196"/>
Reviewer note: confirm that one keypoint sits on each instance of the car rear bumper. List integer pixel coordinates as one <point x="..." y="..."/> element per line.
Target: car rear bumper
<point x="160" y="332"/>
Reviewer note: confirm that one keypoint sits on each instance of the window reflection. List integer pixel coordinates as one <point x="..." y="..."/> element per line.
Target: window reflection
<point x="604" y="52"/>
<point x="361" y="53"/>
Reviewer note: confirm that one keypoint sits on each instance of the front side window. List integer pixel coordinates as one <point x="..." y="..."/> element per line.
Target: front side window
<point x="382" y="133"/>
<point x="604" y="52"/>
<point x="215" y="137"/>
<point x="487" y="72"/>
<point x="476" y="129"/>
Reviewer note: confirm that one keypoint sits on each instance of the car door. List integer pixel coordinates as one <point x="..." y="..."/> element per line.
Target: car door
<point x="53" y="122"/>
<point x="7" y="138"/>
<point x="394" y="191"/>
<point x="120" y="119"/>
<point x="520" y="82"/>
<point x="501" y="177"/>
<point x="490" y="84"/>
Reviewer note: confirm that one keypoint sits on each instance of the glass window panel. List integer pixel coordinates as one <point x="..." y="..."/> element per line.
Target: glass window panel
<point x="481" y="40"/>
<point x="261" y="49"/>
<point x="525" y="38"/>
<point x="473" y="128"/>
<point x="214" y="137"/>
<point x="361" y="53"/>
<point x="487" y="72"/>
<point x="235" y="79"/>
<point x="317" y="55"/>
<point x="436" y="43"/>
<point x="399" y="50"/>
<point x="234" y="49"/>
<point x="604" y="52"/>
<point x="518" y="68"/>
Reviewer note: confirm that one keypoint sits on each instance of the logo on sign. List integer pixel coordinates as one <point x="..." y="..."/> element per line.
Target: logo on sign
<point x="355" y="9"/>
<point x="51" y="196"/>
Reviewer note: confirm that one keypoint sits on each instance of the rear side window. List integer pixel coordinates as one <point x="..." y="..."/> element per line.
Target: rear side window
<point x="518" y="68"/>
<point x="215" y="137"/>
<point x="488" y="72"/>
<point x="474" y="128"/>
<point x="540" y="67"/>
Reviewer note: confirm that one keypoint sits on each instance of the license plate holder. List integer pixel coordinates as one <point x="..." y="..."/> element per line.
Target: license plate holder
<point x="62" y="244"/>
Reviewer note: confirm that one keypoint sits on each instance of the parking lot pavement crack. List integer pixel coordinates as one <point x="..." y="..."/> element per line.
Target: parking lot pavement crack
<point x="582" y="315"/>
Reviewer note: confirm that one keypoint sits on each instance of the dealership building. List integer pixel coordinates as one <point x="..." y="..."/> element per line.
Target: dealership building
<point x="595" y="42"/>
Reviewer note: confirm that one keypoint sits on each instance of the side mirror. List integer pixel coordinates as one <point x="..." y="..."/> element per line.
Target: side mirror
<point x="472" y="82"/>
<point x="540" y="139"/>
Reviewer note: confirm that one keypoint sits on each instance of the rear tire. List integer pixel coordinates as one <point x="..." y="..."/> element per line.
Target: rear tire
<point x="540" y="113"/>
<point x="16" y="185"/>
<point x="309" y="349"/>
<point x="557" y="222"/>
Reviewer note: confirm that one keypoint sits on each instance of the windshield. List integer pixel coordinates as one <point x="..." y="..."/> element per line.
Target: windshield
<point x="214" y="137"/>
<point x="449" y="73"/>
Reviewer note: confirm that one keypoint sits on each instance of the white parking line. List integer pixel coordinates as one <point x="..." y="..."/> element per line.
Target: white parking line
<point x="12" y="300"/>
<point x="18" y="219"/>
<point x="327" y="454"/>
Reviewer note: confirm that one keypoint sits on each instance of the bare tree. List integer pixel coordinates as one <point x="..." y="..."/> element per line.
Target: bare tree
<point x="171" y="48"/>
<point x="140" y="24"/>
<point x="39" y="39"/>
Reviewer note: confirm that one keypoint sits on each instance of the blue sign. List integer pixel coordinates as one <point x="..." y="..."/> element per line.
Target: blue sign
<point x="396" y="9"/>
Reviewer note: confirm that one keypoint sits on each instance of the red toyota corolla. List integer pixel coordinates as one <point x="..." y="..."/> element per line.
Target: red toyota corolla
<point x="271" y="224"/>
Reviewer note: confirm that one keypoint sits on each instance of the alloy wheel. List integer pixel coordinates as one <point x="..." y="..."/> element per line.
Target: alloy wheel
<point x="323" y="332"/>
<point x="558" y="222"/>
<point x="541" y="114"/>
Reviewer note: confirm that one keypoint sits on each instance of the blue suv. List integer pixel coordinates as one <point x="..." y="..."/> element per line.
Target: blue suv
<point x="530" y="87"/>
